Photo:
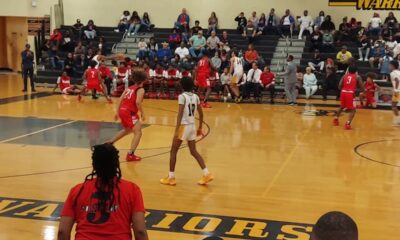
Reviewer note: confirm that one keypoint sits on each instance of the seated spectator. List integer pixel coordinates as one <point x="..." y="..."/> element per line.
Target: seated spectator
<point x="174" y="39"/>
<point x="106" y="75"/>
<point x="225" y="80"/>
<point x="317" y="62"/>
<point x="79" y="53"/>
<point x="335" y="225"/>
<point x="176" y="61"/>
<point x="216" y="61"/>
<point x="123" y="24"/>
<point x="64" y="82"/>
<point x="268" y="82"/>
<point x="390" y="45"/>
<point x="385" y="70"/>
<point x="316" y="40"/>
<point x="56" y="38"/>
<point x="344" y="30"/>
<point x="286" y="24"/>
<point x="146" y="23"/>
<point x="261" y="24"/>
<point x="135" y="24"/>
<point x="253" y="83"/>
<point x="224" y="42"/>
<point x="250" y="31"/>
<point x="310" y="83"/>
<point x="77" y="29"/>
<point x="364" y="48"/>
<point x="104" y="193"/>
<point x="164" y="52"/>
<point x="153" y="48"/>
<point x="183" y="20"/>
<point x="331" y="82"/>
<point x="377" y="54"/>
<point x="88" y="58"/>
<point x="250" y="57"/>
<point x="143" y="50"/>
<point x="90" y="30"/>
<point x="67" y="43"/>
<point x="391" y="24"/>
<point x="328" y="25"/>
<point x="272" y="23"/>
<point x="198" y="44"/>
<point x="212" y="23"/>
<point x="242" y="23"/>
<point x="224" y="59"/>
<point x="327" y="42"/>
<point x="182" y="51"/>
<point x="375" y="25"/>
<point x="319" y="20"/>
<point x="254" y="19"/>
<point x="69" y="64"/>
<point x="354" y="28"/>
<point x="196" y="28"/>
<point x="300" y="78"/>
<point x="306" y="24"/>
<point x="55" y="60"/>
<point x="343" y="58"/>
<point x="212" y="43"/>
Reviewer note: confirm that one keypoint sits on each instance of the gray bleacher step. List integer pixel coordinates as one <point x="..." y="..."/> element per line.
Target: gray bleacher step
<point x="294" y="44"/>
<point x="127" y="45"/>
<point x="279" y="55"/>
<point x="275" y="61"/>
<point x="126" y="50"/>
<point x="290" y="49"/>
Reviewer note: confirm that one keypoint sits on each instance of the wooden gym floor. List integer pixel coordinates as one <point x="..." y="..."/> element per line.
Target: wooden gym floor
<point x="277" y="169"/>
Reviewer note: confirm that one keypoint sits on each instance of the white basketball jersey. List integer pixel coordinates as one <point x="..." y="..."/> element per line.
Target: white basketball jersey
<point x="190" y="102"/>
<point x="238" y="65"/>
<point x="395" y="74"/>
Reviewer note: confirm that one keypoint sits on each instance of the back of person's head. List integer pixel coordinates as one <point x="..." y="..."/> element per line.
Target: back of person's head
<point x="335" y="226"/>
<point x="395" y="64"/>
<point x="93" y="64"/>
<point x="187" y="84"/>
<point x="139" y="76"/>
<point x="352" y="69"/>
<point x="371" y="75"/>
<point x="290" y="57"/>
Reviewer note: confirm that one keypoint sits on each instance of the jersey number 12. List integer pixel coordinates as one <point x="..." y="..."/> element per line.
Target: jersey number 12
<point x="192" y="108"/>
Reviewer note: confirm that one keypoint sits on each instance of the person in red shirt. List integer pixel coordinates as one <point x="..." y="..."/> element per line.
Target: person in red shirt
<point x="348" y="85"/>
<point x="148" y="84"/>
<point x="158" y="80"/>
<point x="367" y="98"/>
<point x="106" y="75"/>
<point x="56" y="38"/>
<point x="213" y="82"/>
<point x="250" y="56"/>
<point x="121" y="79"/>
<point x="94" y="82"/>
<point x="104" y="206"/>
<point x="203" y="71"/>
<point x="268" y="82"/>
<point x="171" y="79"/>
<point x="186" y="73"/>
<point x="129" y="107"/>
<point x="64" y="82"/>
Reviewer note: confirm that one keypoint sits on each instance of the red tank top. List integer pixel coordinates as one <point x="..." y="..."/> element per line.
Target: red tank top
<point x="204" y="65"/>
<point x="370" y="87"/>
<point x="65" y="82"/>
<point x="92" y="75"/>
<point x="159" y="72"/>
<point x="129" y="99"/>
<point x="172" y="73"/>
<point x="349" y="83"/>
<point x="122" y="72"/>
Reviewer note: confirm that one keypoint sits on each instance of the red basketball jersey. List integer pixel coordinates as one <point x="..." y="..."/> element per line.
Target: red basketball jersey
<point x="349" y="83"/>
<point x="159" y="72"/>
<point x="92" y="76"/>
<point x="370" y="87"/>
<point x="129" y="99"/>
<point x="64" y="82"/>
<point x="122" y="72"/>
<point x="172" y="74"/>
<point x="204" y="65"/>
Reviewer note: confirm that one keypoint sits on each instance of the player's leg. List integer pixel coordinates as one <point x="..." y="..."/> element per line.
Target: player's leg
<point x="137" y="135"/>
<point x="207" y="94"/>
<point x="352" y="113"/>
<point x="396" y="120"/>
<point x="170" y="180"/>
<point x="207" y="177"/>
<point x="337" y="115"/>
<point x="122" y="133"/>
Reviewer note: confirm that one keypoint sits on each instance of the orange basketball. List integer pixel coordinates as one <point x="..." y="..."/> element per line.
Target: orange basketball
<point x="120" y="56"/>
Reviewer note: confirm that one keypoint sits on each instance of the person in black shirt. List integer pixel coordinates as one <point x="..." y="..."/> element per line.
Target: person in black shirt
<point x="242" y="23"/>
<point x="77" y="29"/>
<point x="331" y="82"/>
<point x="196" y="28"/>
<point x="69" y="64"/>
<point x="27" y="67"/>
<point x="344" y="30"/>
<point x="328" y="25"/>
<point x="391" y="24"/>
<point x="316" y="40"/>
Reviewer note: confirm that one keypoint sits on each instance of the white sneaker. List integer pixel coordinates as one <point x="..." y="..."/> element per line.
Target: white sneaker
<point x="365" y="59"/>
<point x="229" y="96"/>
<point x="360" y="59"/>
<point x="129" y="34"/>
<point x="225" y="99"/>
<point x="116" y="30"/>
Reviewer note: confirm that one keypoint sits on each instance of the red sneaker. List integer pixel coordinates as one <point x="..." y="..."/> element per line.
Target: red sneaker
<point x="207" y="105"/>
<point x="79" y="97"/>
<point x="347" y="126"/>
<point x="335" y="122"/>
<point x="109" y="100"/>
<point x="132" y="158"/>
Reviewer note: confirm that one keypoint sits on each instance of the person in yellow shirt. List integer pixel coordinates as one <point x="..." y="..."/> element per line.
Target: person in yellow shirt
<point x="343" y="58"/>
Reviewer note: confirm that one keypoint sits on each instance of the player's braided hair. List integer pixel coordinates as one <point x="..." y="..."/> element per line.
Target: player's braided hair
<point x="105" y="161"/>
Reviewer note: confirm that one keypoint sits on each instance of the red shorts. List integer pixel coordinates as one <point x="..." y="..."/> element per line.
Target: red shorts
<point x="370" y="98"/>
<point x="94" y="85"/>
<point x="202" y="80"/>
<point x="128" y="118"/>
<point x="347" y="100"/>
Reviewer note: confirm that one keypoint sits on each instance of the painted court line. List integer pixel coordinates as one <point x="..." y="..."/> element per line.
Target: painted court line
<point x="39" y="131"/>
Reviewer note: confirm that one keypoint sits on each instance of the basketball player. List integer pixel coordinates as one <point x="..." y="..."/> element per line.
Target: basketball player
<point x="237" y="72"/>
<point x="120" y="82"/>
<point x="64" y="82"/>
<point x="94" y="82"/>
<point x="130" y="106"/>
<point x="395" y="77"/>
<point x="367" y="98"/>
<point x="348" y="85"/>
<point x="203" y="71"/>
<point x="185" y="130"/>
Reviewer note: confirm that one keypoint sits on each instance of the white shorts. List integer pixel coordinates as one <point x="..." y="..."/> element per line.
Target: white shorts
<point x="187" y="132"/>
<point x="236" y="77"/>
<point x="65" y="90"/>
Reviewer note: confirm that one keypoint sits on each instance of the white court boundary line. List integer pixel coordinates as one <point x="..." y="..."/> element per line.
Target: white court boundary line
<point x="39" y="131"/>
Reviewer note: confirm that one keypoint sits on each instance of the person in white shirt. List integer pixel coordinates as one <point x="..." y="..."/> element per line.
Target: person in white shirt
<point x="375" y="24"/>
<point x="395" y="78"/>
<point x="306" y="22"/>
<point x="253" y="82"/>
<point x="182" y="51"/>
<point x="391" y="44"/>
<point x="254" y="19"/>
<point x="310" y="83"/>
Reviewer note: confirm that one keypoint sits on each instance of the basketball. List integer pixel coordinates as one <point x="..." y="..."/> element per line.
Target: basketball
<point x="119" y="56"/>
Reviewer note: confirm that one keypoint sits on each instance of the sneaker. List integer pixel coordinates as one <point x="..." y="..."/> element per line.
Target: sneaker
<point x="132" y="158"/>
<point x="79" y="97"/>
<point x="361" y="59"/>
<point x="225" y="99"/>
<point x="347" y="126"/>
<point x="205" y="179"/>
<point x="95" y="97"/>
<point x="335" y="122"/>
<point x="168" y="181"/>
<point x="365" y="59"/>
<point x="109" y="100"/>
<point x="206" y="105"/>
<point x="229" y="96"/>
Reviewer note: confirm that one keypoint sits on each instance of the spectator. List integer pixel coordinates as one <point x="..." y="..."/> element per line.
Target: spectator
<point x="261" y="24"/>
<point x="27" y="67"/>
<point x="225" y="83"/>
<point x="224" y="42"/>
<point x="153" y="48"/>
<point x="306" y="23"/>
<point x="79" y="53"/>
<point x="364" y="48"/>
<point x="385" y="69"/>
<point x="375" y="24"/>
<point x="216" y="61"/>
<point x="176" y="61"/>
<point x="242" y="23"/>
<point x="90" y="30"/>
<point x="300" y="78"/>
<point x="88" y="58"/>
<point x="198" y="43"/>
<point x="335" y="225"/>
<point x="101" y="44"/>
<point x="135" y="24"/>
<point x="164" y="52"/>
<point x="390" y="45"/>
<point x="55" y="60"/>
<point x="354" y="28"/>
<point x="196" y="28"/>
<point x="310" y="83"/>
<point x="143" y="50"/>
<point x="317" y="61"/>
<point x="316" y="40"/>
<point x="212" y="23"/>
<point x="117" y="203"/>
<point x="123" y="24"/>
<point x="344" y="30"/>
<point x="286" y="24"/>
<point x="254" y="19"/>
<point x="182" y="51"/>
<point x="377" y="54"/>
<point x="146" y="23"/>
<point x="77" y="28"/>
<point x="391" y="24"/>
<point x="174" y="39"/>
<point x="250" y="56"/>
<point x="268" y="82"/>
<point x="56" y="38"/>
<point x="106" y="75"/>
<point x="330" y="82"/>
<point x="343" y="58"/>
<point x="253" y="82"/>
<point x="290" y="81"/>
<point x="250" y="31"/>
<point x="327" y="42"/>
<point x="224" y="59"/>
<point x="273" y="22"/>
<point x="69" y="64"/>
<point x="328" y="25"/>
<point x="319" y="20"/>
<point x="212" y="43"/>
<point x="183" y="20"/>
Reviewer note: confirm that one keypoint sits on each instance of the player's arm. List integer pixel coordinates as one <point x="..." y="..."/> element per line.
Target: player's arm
<point x="231" y="67"/>
<point x="378" y="89"/>
<point x="55" y="88"/>
<point x="139" y="102"/>
<point x="65" y="228"/>
<point x="179" y="119"/>
<point x="396" y="83"/>
<point x="139" y="227"/>
<point x="201" y="116"/>
<point x="341" y="83"/>
<point x="116" y="116"/>
<point x="360" y="83"/>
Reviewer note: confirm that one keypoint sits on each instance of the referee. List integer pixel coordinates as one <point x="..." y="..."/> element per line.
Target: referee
<point x="27" y="67"/>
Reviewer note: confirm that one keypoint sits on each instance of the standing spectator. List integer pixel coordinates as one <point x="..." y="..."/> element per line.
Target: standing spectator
<point x="364" y="48"/>
<point x="327" y="42"/>
<point x="242" y="23"/>
<point x="377" y="54"/>
<point x="196" y="28"/>
<point x="287" y="24"/>
<point x="306" y="23"/>
<point x="391" y="24"/>
<point x="328" y="25"/>
<point x="310" y="83"/>
<point x="268" y="82"/>
<point x="183" y="20"/>
<point x="123" y="24"/>
<point x="250" y="57"/>
<point x="143" y="50"/>
<point x="146" y="23"/>
<point x="198" y="43"/>
<point x="261" y="24"/>
<point x="212" y="23"/>
<point x="290" y="81"/>
<point x="253" y="82"/>
<point x="174" y="39"/>
<point x="164" y="52"/>
<point x="79" y="53"/>
<point x="224" y="42"/>
<point x="316" y="40"/>
<point x="273" y="22"/>
<point x="319" y="20"/>
<point x="56" y="38"/>
<point x="90" y="30"/>
<point x="77" y="28"/>
<point x="27" y="67"/>
<point x="212" y="43"/>
<point x="182" y="51"/>
<point x="104" y="199"/>
<point x="254" y="19"/>
<point x="135" y="24"/>
<point x="69" y="64"/>
<point x="375" y="24"/>
<point x="343" y="57"/>
<point x="317" y="61"/>
<point x="216" y="61"/>
<point x="335" y="225"/>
